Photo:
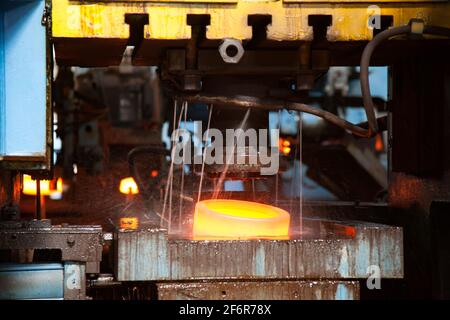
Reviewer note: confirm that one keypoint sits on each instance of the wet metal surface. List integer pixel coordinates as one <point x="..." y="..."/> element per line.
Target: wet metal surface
<point x="77" y="243"/>
<point x="261" y="290"/>
<point x="142" y="255"/>
<point x="330" y="250"/>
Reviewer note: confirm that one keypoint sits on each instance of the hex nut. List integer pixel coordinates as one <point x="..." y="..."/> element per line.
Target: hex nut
<point x="231" y="43"/>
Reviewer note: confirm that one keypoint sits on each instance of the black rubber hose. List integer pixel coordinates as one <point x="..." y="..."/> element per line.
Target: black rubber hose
<point x="364" y="72"/>
<point x="365" y="63"/>
<point x="437" y="31"/>
<point x="272" y="104"/>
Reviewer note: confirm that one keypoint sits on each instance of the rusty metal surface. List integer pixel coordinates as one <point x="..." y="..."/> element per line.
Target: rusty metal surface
<point x="150" y="255"/>
<point x="141" y="255"/>
<point x="261" y="290"/>
<point x="77" y="243"/>
<point x="407" y="191"/>
<point x="9" y="195"/>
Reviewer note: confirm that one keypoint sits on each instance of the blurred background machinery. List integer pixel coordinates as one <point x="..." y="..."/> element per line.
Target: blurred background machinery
<point x="90" y="93"/>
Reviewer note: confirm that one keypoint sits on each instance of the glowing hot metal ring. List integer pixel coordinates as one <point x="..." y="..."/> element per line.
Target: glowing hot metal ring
<point x="236" y="219"/>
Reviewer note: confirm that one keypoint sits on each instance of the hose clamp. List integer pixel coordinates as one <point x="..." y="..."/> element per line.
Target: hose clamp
<point x="417" y="26"/>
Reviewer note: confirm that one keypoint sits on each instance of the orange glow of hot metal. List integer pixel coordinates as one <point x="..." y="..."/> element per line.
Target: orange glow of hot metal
<point x="47" y="187"/>
<point x="130" y="223"/>
<point x="236" y="219"/>
<point x="128" y="186"/>
<point x="350" y="231"/>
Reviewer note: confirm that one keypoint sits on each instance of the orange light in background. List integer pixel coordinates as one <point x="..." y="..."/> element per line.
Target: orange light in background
<point x="285" y="146"/>
<point x="236" y="219"/>
<point x="130" y="223"/>
<point x="154" y="173"/>
<point x="47" y="187"/>
<point x="128" y="186"/>
<point x="379" y="144"/>
<point x="286" y="151"/>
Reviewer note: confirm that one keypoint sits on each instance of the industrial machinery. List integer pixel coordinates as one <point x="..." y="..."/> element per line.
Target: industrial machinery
<point x="154" y="135"/>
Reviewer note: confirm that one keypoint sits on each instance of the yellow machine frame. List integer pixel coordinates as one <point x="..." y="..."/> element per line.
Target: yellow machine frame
<point x="168" y="19"/>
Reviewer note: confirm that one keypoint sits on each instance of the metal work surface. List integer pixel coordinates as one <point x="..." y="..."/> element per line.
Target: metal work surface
<point x="261" y="290"/>
<point x="328" y="250"/>
<point x="77" y="243"/>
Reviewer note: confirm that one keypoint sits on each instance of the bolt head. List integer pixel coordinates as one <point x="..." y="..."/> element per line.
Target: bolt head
<point x="70" y="240"/>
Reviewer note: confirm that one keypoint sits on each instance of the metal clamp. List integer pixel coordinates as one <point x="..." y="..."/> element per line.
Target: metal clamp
<point x="417" y="26"/>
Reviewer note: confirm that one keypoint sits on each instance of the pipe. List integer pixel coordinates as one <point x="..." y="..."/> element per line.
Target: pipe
<point x="364" y="72"/>
<point x="271" y="104"/>
<point x="38" y="200"/>
<point x="367" y="54"/>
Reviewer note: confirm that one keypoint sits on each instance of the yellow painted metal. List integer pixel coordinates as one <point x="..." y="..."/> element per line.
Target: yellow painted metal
<point x="193" y="1"/>
<point x="289" y="1"/>
<point x="168" y="21"/>
<point x="368" y="2"/>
